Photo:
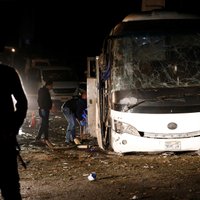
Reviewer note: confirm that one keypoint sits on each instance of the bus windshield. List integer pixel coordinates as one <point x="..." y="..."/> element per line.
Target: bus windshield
<point x="151" y="59"/>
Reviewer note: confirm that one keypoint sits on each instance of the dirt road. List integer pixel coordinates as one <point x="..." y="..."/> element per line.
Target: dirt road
<point x="61" y="173"/>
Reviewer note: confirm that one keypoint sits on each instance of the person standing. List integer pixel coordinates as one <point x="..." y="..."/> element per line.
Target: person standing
<point x="72" y="110"/>
<point x="45" y="105"/>
<point x="14" y="106"/>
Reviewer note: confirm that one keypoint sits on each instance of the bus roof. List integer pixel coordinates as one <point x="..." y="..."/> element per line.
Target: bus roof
<point x="156" y="20"/>
<point x="158" y="15"/>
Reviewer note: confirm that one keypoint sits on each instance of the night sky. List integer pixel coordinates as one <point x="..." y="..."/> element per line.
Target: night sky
<point x="69" y="28"/>
<point x="78" y="28"/>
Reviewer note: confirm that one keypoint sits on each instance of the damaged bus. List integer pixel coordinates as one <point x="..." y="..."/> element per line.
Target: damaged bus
<point x="148" y="84"/>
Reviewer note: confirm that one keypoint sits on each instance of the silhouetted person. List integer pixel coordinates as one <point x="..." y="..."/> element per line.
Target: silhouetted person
<point x="45" y="105"/>
<point x="12" y="117"/>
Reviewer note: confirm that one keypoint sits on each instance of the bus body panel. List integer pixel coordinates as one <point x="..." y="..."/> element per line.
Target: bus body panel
<point x="158" y="123"/>
<point x="157" y="136"/>
<point x="140" y="144"/>
<point x="148" y="84"/>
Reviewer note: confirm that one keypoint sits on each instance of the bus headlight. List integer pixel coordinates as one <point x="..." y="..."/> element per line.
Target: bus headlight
<point x="121" y="127"/>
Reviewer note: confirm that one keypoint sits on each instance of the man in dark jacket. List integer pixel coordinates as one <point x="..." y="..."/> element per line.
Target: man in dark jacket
<point x="14" y="107"/>
<point x="72" y="110"/>
<point x="45" y="105"/>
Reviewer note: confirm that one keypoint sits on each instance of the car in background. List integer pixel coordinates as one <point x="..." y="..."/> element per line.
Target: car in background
<point x="65" y="82"/>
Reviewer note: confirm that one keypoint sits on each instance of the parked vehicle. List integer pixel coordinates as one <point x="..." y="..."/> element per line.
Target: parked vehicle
<point x="147" y="88"/>
<point x="65" y="81"/>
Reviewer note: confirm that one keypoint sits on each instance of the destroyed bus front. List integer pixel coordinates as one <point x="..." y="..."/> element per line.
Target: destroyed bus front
<point x="154" y="74"/>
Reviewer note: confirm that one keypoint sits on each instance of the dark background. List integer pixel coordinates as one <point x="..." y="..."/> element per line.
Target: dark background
<point x="70" y="30"/>
<point x="69" y="27"/>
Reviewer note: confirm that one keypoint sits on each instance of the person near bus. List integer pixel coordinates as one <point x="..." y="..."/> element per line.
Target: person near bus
<point x="45" y="105"/>
<point x="73" y="110"/>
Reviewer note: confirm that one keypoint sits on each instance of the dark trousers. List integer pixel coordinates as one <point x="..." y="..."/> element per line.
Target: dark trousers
<point x="9" y="176"/>
<point x="44" y="126"/>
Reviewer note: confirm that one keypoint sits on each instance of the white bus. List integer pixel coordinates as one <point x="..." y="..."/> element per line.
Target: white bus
<point x="148" y="85"/>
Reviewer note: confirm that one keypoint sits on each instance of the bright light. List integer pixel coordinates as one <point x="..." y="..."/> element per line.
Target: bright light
<point x="13" y="50"/>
